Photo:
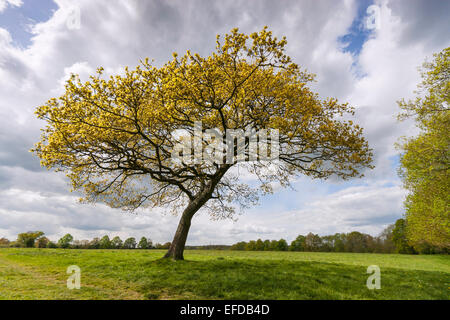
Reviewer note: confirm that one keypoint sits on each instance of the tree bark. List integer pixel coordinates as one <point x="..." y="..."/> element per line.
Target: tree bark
<point x="176" y="248"/>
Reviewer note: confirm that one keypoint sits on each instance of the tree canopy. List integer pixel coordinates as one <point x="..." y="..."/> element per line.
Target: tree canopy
<point x="425" y="158"/>
<point x="65" y="241"/>
<point x="27" y="239"/>
<point x="115" y="138"/>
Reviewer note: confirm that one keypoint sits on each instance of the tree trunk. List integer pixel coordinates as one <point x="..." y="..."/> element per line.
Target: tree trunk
<point x="176" y="248"/>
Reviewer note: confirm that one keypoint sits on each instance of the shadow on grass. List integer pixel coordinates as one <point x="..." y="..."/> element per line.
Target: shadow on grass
<point x="255" y="279"/>
<point x="220" y="275"/>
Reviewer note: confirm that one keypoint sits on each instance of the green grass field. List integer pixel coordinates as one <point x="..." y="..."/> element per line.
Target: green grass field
<point x="140" y="274"/>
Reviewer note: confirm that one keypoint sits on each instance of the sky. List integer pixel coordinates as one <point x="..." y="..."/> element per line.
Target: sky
<point x="363" y="52"/>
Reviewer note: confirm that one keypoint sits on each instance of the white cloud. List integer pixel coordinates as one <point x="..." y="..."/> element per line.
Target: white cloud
<point x="82" y="69"/>
<point x="5" y="3"/>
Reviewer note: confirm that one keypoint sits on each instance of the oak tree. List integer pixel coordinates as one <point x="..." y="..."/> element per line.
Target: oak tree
<point x="115" y="138"/>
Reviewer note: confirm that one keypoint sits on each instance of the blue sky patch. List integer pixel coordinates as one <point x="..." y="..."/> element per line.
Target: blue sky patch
<point x="18" y="20"/>
<point x="358" y="33"/>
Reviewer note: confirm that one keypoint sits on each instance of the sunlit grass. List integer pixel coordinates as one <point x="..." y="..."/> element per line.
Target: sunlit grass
<point x="140" y="274"/>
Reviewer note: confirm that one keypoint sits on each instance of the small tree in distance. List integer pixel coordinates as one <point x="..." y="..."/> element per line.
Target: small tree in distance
<point x="65" y="241"/>
<point x="42" y="242"/>
<point x="282" y="245"/>
<point x="4" y="242"/>
<point x="27" y="239"/>
<point x="129" y="243"/>
<point x="143" y="243"/>
<point x="52" y="245"/>
<point x="94" y="243"/>
<point x="259" y="245"/>
<point x="298" y="244"/>
<point x="105" y="243"/>
<point x="116" y="242"/>
<point x="313" y="242"/>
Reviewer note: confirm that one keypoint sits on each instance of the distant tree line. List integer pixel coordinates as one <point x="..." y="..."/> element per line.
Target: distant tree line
<point x="37" y="239"/>
<point x="392" y="240"/>
<point x="209" y="247"/>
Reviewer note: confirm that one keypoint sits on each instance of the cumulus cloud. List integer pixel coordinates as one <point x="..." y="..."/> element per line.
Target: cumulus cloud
<point x="116" y="34"/>
<point x="14" y="3"/>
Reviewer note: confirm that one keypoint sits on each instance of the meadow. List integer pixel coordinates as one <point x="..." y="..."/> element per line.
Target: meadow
<point x="219" y="274"/>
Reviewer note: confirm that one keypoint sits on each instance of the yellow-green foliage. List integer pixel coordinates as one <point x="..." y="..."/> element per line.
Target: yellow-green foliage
<point x="114" y="138"/>
<point x="425" y="161"/>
